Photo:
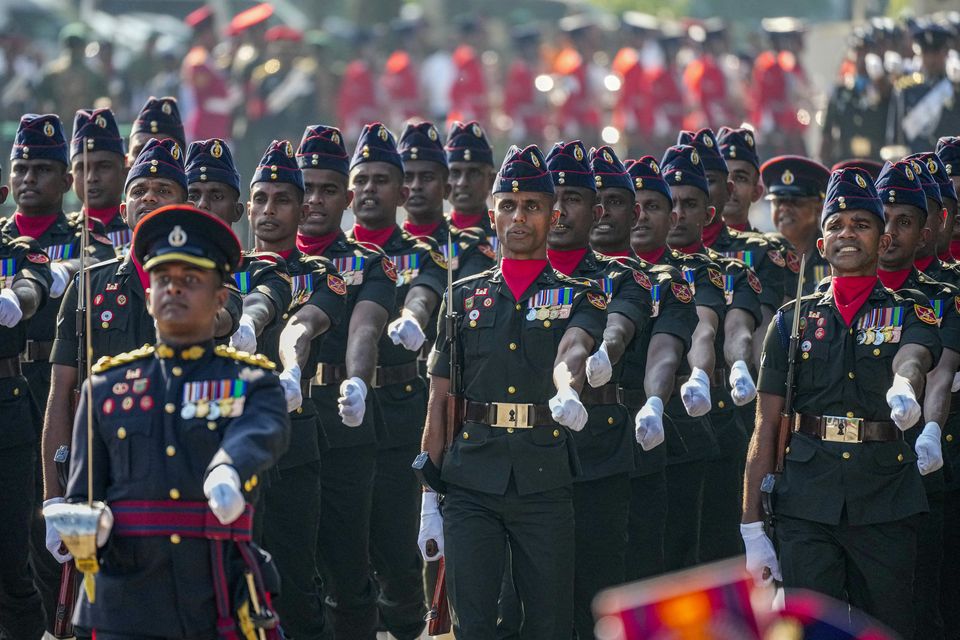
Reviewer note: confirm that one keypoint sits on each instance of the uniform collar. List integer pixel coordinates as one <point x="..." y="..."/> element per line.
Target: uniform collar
<point x="546" y="279"/>
<point x="878" y="293"/>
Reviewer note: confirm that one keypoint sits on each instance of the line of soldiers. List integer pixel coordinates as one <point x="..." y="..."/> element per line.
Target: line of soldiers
<point x="638" y="284"/>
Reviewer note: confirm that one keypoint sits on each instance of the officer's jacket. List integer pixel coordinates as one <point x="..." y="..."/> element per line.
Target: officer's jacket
<point x="160" y="414"/>
<point x="757" y="253"/>
<point x="910" y="92"/>
<point x="472" y="254"/>
<point x="817" y="267"/>
<point x="846" y="371"/>
<point x="508" y="348"/>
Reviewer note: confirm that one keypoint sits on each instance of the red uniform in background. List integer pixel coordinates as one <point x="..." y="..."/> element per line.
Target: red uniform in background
<point x="468" y="95"/>
<point x="706" y="84"/>
<point x="633" y="103"/>
<point x="357" y="102"/>
<point x="401" y="86"/>
<point x="578" y="113"/>
<point x="662" y="122"/>
<point x="520" y="99"/>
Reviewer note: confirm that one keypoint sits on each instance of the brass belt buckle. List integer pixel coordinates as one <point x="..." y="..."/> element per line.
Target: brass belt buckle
<point x="511" y="416"/>
<point x="841" y="429"/>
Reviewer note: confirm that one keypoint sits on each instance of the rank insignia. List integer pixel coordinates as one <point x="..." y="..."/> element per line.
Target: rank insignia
<point x="925" y="314"/>
<point x="438" y="258"/>
<point x="776" y="258"/>
<point x="132" y="373"/>
<point x="336" y="284"/>
<point x="468" y="303"/>
<point x="113" y="286"/>
<point x="681" y="292"/>
<point x="597" y="300"/>
<point x="715" y="278"/>
<point x="642" y="279"/>
<point x="481" y="292"/>
<point x="754" y="282"/>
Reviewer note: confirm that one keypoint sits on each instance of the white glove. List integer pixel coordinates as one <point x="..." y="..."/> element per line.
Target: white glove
<point x="567" y="409"/>
<point x="649" y="424"/>
<point x="904" y="408"/>
<point x="956" y="383"/>
<point x="104" y="526"/>
<point x="290" y="381"/>
<point x="10" y="312"/>
<point x="53" y="542"/>
<point x="695" y="393"/>
<point x="405" y="330"/>
<point x="61" y="278"/>
<point x="761" y="558"/>
<point x="352" y="401"/>
<point x="431" y="525"/>
<point x="245" y="337"/>
<point x="929" y="451"/>
<point x="742" y="387"/>
<point x="222" y="489"/>
<point x="599" y="369"/>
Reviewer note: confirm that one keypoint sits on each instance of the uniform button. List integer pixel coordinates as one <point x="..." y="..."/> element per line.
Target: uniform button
<point x="513" y="346"/>
<point x="519" y="307"/>
<point x="556" y="433"/>
<point x="473" y="323"/>
<point x="104" y="325"/>
<point x="721" y="404"/>
<point x="851" y="330"/>
<point x="511" y="389"/>
<point x="610" y="420"/>
<point x="899" y="457"/>
<point x="805" y="356"/>
<point x="466" y="436"/>
<point x="169" y="407"/>
<point x="286" y="315"/>
<point x="174" y="494"/>
<point x="212" y="425"/>
<point x="175" y="539"/>
<point x="876" y="352"/>
<point x="177" y="371"/>
<point x="247" y="486"/>
<point x="408" y="388"/>
<point x="546" y="323"/>
<point x="509" y="429"/>
<point x="171" y="451"/>
<point x="254" y="480"/>
<point x="299" y="410"/>
<point x="949" y="437"/>
<point x="121" y="433"/>
<point x="846" y="455"/>
<point x="787" y="450"/>
<point x="16" y="391"/>
<point x="849" y="414"/>
<point x="851" y="375"/>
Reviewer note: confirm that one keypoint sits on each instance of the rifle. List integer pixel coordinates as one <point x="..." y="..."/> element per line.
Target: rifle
<point x="69" y="579"/>
<point x="785" y="426"/>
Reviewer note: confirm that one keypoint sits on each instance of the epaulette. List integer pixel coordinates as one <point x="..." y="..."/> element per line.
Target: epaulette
<point x="258" y="360"/>
<point x="467" y="279"/>
<point x="583" y="282"/>
<point x="109" y="362"/>
<point x="910" y="80"/>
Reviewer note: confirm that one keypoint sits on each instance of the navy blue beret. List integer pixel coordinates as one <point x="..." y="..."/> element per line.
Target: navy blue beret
<point x="738" y="144"/>
<point x="376" y="144"/>
<point x="681" y="165"/>
<point x="705" y="142"/>
<point x="569" y="166"/>
<point x="321" y="147"/>
<point x="523" y="170"/>
<point x="160" y="117"/>
<point x="948" y="150"/>
<point x="930" y="186"/>
<point x="159" y="159"/>
<point x="99" y="128"/>
<point x="849" y="189"/>
<point x="211" y="161"/>
<point x="40" y="138"/>
<point x="898" y="184"/>
<point x="609" y="171"/>
<point x="422" y="142"/>
<point x="647" y="176"/>
<point x="279" y="164"/>
<point x="466" y="142"/>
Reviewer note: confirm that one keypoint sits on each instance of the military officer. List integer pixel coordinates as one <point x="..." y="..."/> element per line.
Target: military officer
<point x="739" y="149"/>
<point x="937" y="223"/>
<point x="158" y="118"/>
<point x="795" y="187"/>
<point x="508" y="472"/>
<point x="347" y="368"/>
<point x="99" y="174"/>
<point x="376" y="177"/>
<point x="470" y="159"/>
<point x="292" y="501"/>
<point x="182" y="428"/>
<point x="846" y="501"/>
<point x="904" y="205"/>
<point x="25" y="282"/>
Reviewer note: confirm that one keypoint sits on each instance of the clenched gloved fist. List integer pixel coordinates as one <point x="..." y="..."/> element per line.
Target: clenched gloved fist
<point x="695" y="393"/>
<point x="245" y="337"/>
<point x="290" y="381"/>
<point x="222" y="489"/>
<point x="929" y="450"/>
<point x="352" y="401"/>
<point x="599" y="369"/>
<point x="742" y="387"/>
<point x="405" y="330"/>
<point x="649" y="424"/>
<point x="904" y="408"/>
<point x="10" y="313"/>
<point x="567" y="409"/>
<point x="761" y="558"/>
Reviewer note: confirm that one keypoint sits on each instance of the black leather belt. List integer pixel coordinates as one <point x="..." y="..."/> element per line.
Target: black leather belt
<point x="633" y="398"/>
<point x="718" y="379"/>
<point x="329" y="374"/>
<point x="509" y="415"/>
<point x="844" y="429"/>
<point x="305" y="388"/>
<point x="607" y="394"/>
<point x="37" y="351"/>
<point x="10" y="367"/>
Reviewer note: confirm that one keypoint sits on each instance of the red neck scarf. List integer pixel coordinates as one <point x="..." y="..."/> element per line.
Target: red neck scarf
<point x="923" y="263"/>
<point x="316" y="245"/>
<point x="33" y="226"/>
<point x="142" y="275"/>
<point x="566" y="260"/>
<point x="285" y="254"/>
<point x="711" y="233"/>
<point x="739" y="226"/>
<point x="894" y="279"/>
<point x="520" y="274"/>
<point x="696" y="247"/>
<point x="653" y="257"/>
<point x="955" y="249"/>
<point x="465" y="220"/>
<point x="376" y="237"/>
<point x="104" y="216"/>
<point x="849" y="294"/>
<point x="946" y="256"/>
<point x="421" y="230"/>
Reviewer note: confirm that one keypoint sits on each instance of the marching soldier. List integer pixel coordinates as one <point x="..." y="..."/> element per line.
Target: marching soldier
<point x="377" y="181"/>
<point x="508" y="473"/>
<point x="158" y="118"/>
<point x="346" y="369"/>
<point x="178" y="430"/>
<point x="845" y="502"/>
<point x="472" y="173"/>
<point x="739" y="150"/>
<point x="948" y="150"/>
<point x="795" y="187"/>
<point x="578" y="114"/>
<point x="292" y="500"/>
<point x="926" y="260"/>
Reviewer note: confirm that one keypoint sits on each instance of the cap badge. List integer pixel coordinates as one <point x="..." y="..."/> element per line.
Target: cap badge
<point x="101" y="122"/>
<point x="432" y="134"/>
<point x="861" y="182"/>
<point x="908" y="173"/>
<point x="607" y="157"/>
<point x="533" y="159"/>
<point x="288" y="149"/>
<point x="177" y="237"/>
<point x="578" y="153"/>
<point x="382" y="133"/>
<point x="655" y="167"/>
<point x="166" y="108"/>
<point x="335" y="137"/>
<point x="749" y="139"/>
<point x="708" y="142"/>
<point x="216" y="150"/>
<point x="476" y="130"/>
<point x="175" y="151"/>
<point x="932" y="166"/>
<point x="694" y="157"/>
<point x="787" y="177"/>
<point x="48" y="129"/>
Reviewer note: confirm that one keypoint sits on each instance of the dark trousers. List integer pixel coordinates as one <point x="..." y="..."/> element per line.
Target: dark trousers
<point x="21" y="614"/>
<point x="926" y="579"/>
<point x="869" y="566"/>
<point x="681" y="540"/>
<point x="720" y="519"/>
<point x="394" y="525"/>
<point x="292" y="519"/>
<point x="539" y="531"/>
<point x="601" y="511"/>
<point x="343" y="541"/>
<point x="950" y="575"/>
<point x="647" y="523"/>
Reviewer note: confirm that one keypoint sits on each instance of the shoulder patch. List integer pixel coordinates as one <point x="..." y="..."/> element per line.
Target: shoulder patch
<point x="336" y="284"/>
<point x="389" y="268"/>
<point x="487" y="250"/>
<point x="642" y="279"/>
<point x="258" y="360"/>
<point x="597" y="300"/>
<point x="438" y="258"/>
<point x="754" y="282"/>
<point x="109" y="362"/>
<point x="793" y="261"/>
<point x="38" y="258"/>
<point x="715" y="277"/>
<point x="925" y="313"/>
<point x="681" y="292"/>
<point x="776" y="258"/>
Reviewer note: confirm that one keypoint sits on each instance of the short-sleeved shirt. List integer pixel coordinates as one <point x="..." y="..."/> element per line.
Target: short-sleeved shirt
<point x="508" y="347"/>
<point x="816" y="269"/>
<point x="21" y="259"/>
<point x="845" y="371"/>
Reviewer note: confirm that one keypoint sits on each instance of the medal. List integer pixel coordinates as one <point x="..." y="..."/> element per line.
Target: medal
<point x="878" y="337"/>
<point x="202" y="409"/>
<point x="213" y="412"/>
<point x="554" y="312"/>
<point x="236" y="408"/>
<point x="531" y="314"/>
<point x="542" y="313"/>
<point x="226" y="406"/>
<point x="564" y="312"/>
<point x="188" y="411"/>
<point x="861" y="336"/>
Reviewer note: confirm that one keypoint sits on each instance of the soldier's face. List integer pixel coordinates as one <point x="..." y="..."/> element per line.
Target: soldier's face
<point x="428" y="185"/>
<point x="470" y="184"/>
<point x="745" y="190"/>
<point x="378" y="191"/>
<point x="796" y="218"/>
<point x="907" y="234"/>
<point x="935" y="223"/>
<point x="276" y="210"/>
<point x="719" y="185"/>
<point x="184" y="300"/>
<point x="578" y="211"/>
<point x="655" y="219"/>
<point x="327" y="197"/>
<point x="217" y="198"/>
<point x="38" y="185"/>
<point x="522" y="221"/>
<point x="99" y="183"/>
<point x="619" y="212"/>
<point x="851" y="242"/>
<point x="148" y="194"/>
<point x="693" y="213"/>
